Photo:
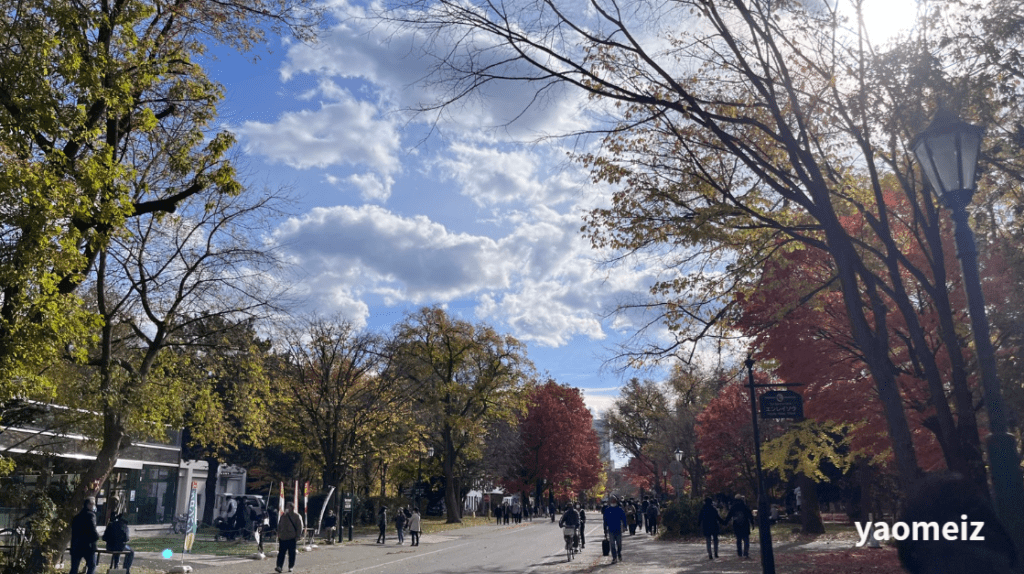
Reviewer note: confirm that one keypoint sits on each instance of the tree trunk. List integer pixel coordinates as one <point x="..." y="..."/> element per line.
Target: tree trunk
<point x="210" y="500"/>
<point x="810" y="514"/>
<point x="451" y="495"/>
<point x="44" y="556"/>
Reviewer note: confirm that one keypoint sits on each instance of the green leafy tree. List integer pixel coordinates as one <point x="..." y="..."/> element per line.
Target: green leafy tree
<point x="229" y="415"/>
<point x="460" y="378"/>
<point x="637" y="421"/>
<point x="336" y="406"/>
<point x="106" y="119"/>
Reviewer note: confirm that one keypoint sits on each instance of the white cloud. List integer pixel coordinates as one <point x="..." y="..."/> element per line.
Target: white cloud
<point x="393" y="60"/>
<point x="345" y="131"/>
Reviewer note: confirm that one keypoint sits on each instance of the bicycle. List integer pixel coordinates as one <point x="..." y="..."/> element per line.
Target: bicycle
<point x="572" y="543"/>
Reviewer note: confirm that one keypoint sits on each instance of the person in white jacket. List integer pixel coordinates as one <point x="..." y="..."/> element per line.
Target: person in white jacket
<point x="414" y="527"/>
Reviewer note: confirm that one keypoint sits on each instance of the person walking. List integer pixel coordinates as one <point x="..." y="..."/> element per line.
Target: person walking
<point x="742" y="519"/>
<point x="289" y="529"/>
<point x="117" y="535"/>
<point x="414" y="528"/>
<point x="551" y="510"/>
<point x="631" y="517"/>
<point x="517" y="511"/>
<point x="614" y="520"/>
<point x="643" y="515"/>
<point x="83" y="537"/>
<point x="583" y="524"/>
<point x="382" y="523"/>
<point x="653" y="510"/>
<point x="709" y="522"/>
<point x="498" y="509"/>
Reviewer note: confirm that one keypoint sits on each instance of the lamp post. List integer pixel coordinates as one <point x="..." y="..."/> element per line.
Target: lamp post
<point x="947" y="151"/>
<point x="419" y="476"/>
<point x="679" y="459"/>
<point x="767" y="552"/>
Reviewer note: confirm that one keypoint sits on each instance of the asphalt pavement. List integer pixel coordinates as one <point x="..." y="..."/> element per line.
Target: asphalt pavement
<point x="528" y="548"/>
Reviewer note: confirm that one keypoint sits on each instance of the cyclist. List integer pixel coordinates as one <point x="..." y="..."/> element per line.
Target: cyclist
<point x="570" y="520"/>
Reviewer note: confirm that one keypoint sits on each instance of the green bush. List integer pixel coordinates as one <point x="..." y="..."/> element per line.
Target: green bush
<point x="680" y="519"/>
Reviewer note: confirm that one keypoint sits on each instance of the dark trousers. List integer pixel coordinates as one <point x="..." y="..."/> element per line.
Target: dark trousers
<point x="289" y="547"/>
<point x="90" y="560"/>
<point x="414" y="538"/>
<point x="743" y="544"/>
<point x="583" y="540"/>
<point x="708" y="539"/>
<point x="380" y="537"/>
<point x="128" y="559"/>
<point x="615" y="540"/>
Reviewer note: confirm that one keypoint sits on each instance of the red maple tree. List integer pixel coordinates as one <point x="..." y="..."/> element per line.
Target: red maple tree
<point x="799" y="324"/>
<point x="559" y="446"/>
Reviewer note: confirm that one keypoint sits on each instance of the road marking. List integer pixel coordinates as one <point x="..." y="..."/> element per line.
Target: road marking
<point x="417" y="555"/>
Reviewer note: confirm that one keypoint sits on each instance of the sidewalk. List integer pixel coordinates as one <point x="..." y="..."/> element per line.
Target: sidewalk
<point x="643" y="555"/>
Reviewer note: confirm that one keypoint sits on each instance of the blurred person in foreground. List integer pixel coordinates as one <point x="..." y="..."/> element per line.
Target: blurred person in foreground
<point x="944" y="498"/>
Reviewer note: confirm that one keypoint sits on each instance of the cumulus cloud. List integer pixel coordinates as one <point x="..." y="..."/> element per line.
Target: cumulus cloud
<point x="345" y="131"/>
<point x="393" y="60"/>
<point x="537" y="281"/>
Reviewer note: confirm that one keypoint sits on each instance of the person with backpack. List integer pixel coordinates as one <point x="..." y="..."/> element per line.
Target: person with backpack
<point x="117" y="535"/>
<point x="742" y="519"/>
<point x="289" y="530"/>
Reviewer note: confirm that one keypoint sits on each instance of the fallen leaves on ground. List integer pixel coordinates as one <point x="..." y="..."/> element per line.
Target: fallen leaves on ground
<point x="856" y="561"/>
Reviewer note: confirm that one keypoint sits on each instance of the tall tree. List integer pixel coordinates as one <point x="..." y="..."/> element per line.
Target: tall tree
<point x="158" y="289"/>
<point x="558" y="444"/>
<point x="91" y="93"/>
<point x="636" y="421"/>
<point x="461" y="377"/>
<point x="228" y="416"/>
<point x="333" y="378"/>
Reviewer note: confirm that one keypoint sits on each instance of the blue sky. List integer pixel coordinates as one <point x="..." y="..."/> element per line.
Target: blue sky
<point x="396" y="211"/>
<point x="466" y="208"/>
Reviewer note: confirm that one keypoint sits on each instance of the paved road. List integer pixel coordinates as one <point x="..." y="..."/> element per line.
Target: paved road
<point x="528" y="548"/>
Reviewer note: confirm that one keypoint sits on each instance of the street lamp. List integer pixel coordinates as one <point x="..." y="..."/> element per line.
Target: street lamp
<point x="947" y="151"/>
<point x="419" y="476"/>
<point x="679" y="455"/>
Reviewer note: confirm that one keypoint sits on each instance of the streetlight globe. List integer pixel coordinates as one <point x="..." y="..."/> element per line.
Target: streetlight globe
<point x="947" y="151"/>
<point x="430" y="451"/>
<point x="679" y="455"/>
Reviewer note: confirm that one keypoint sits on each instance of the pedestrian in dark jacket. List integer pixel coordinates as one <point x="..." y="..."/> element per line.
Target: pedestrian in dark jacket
<point x="583" y="524"/>
<point x="289" y="530"/>
<point x="117" y="535"/>
<point x="653" y="510"/>
<point x="400" y="526"/>
<point x="83" y="537"/>
<point x="382" y="523"/>
<point x="742" y="519"/>
<point x="710" y="521"/>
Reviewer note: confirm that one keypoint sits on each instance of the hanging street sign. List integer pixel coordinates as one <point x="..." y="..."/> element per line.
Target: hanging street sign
<point x="781" y="405"/>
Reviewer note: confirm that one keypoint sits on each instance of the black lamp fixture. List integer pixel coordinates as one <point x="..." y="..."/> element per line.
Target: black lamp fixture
<point x="679" y="455"/>
<point x="947" y="151"/>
